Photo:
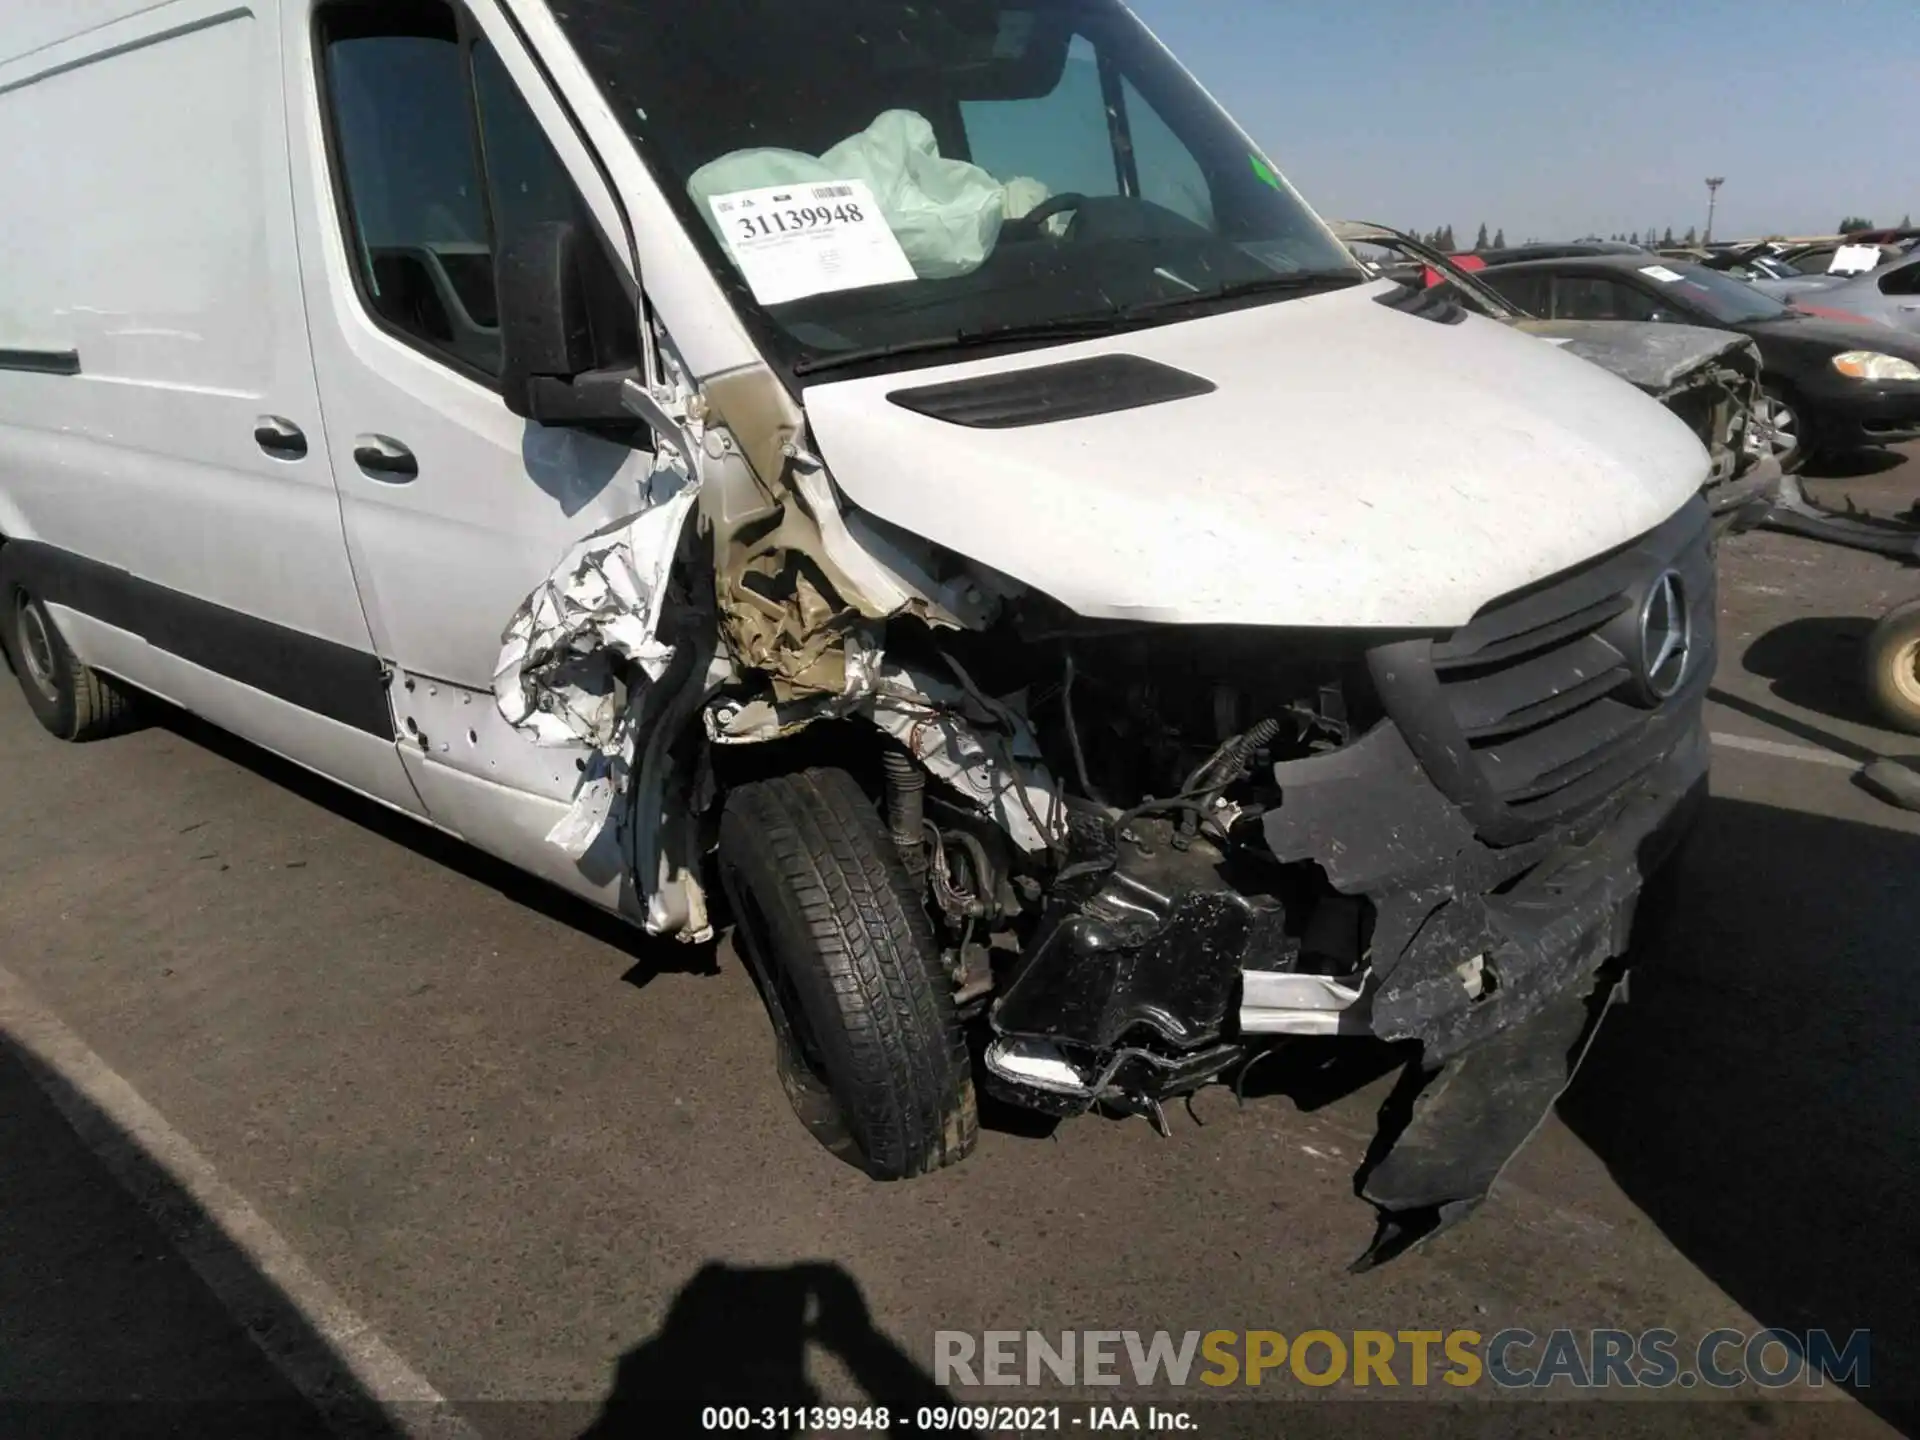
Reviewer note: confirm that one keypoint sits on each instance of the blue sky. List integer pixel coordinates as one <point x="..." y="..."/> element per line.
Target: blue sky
<point x="1556" y="118"/>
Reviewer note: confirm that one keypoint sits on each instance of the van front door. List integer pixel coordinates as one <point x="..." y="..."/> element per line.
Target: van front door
<point x="423" y="150"/>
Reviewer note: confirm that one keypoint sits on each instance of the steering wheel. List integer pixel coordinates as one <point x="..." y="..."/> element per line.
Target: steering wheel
<point x="1033" y="224"/>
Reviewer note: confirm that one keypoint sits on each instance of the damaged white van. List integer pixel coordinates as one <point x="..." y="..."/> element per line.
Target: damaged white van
<point x="1005" y="543"/>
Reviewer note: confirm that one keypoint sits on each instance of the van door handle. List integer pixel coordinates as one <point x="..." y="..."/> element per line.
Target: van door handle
<point x="385" y="459"/>
<point x="282" y="439"/>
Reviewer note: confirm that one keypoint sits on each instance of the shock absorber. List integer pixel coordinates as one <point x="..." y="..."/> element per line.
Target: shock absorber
<point x="1226" y="766"/>
<point x="907" y="809"/>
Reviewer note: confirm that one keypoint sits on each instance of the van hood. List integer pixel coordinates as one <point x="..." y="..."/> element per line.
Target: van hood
<point x="1349" y="464"/>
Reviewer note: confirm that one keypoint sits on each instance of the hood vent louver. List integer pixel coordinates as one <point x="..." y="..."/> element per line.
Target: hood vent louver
<point x="1050" y="393"/>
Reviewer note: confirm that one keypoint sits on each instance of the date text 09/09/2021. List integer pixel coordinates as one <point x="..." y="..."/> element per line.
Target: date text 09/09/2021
<point x="945" y="1419"/>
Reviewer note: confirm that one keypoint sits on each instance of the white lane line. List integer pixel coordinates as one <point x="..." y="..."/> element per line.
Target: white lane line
<point x="1781" y="751"/>
<point x="242" y="1259"/>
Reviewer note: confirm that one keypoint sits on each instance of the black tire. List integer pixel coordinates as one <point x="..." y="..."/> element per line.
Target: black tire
<point x="72" y="701"/>
<point x="846" y="960"/>
<point x="1893" y="667"/>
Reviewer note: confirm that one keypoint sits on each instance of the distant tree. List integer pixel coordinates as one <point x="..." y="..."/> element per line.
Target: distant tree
<point x="1667" y="239"/>
<point x="1480" y="241"/>
<point x="1446" y="238"/>
<point x="1906" y="222"/>
<point x="1634" y="239"/>
<point x="1855" y="222"/>
<point x="1500" y="239"/>
<point x="1692" y="236"/>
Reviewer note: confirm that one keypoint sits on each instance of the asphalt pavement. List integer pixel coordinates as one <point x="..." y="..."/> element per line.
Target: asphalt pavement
<point x="420" y="1145"/>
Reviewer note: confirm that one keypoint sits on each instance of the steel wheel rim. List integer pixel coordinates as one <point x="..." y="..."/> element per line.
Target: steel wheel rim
<point x="1906" y="672"/>
<point x="36" y="650"/>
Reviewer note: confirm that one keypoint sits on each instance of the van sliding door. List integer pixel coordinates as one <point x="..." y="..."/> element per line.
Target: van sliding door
<point x="164" y="468"/>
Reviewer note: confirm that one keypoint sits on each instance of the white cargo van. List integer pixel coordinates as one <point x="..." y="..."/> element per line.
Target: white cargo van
<point x="1004" y="541"/>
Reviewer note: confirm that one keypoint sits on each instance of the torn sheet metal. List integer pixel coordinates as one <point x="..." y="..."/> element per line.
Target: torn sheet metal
<point x="928" y="716"/>
<point x="577" y="651"/>
<point x="1005" y="777"/>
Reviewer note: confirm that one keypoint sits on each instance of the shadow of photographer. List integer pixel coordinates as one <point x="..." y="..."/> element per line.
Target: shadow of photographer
<point x="739" y="1338"/>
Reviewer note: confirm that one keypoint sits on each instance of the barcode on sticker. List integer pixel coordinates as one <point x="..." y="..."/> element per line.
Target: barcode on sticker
<point x="833" y="192"/>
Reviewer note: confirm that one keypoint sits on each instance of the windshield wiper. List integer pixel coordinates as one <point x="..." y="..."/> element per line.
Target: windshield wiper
<point x="1080" y="327"/>
<point x="1076" y="327"/>
<point x="1290" y="283"/>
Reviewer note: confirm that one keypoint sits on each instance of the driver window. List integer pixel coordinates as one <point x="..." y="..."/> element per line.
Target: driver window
<point x="1062" y="140"/>
<point x="440" y="162"/>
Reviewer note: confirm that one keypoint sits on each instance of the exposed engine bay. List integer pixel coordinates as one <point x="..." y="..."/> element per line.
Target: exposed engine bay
<point x="1113" y="959"/>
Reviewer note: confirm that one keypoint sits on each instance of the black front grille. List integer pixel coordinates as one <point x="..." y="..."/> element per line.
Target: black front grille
<point x="1538" y="710"/>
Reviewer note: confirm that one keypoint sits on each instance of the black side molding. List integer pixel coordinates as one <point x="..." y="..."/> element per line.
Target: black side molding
<point x="317" y="675"/>
<point x="1051" y="393"/>
<point x="41" y="362"/>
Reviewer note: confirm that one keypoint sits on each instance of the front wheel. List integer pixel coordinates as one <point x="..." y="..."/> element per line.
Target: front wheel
<point x="871" y="1050"/>
<point x="1778" y="429"/>
<point x="1893" y="667"/>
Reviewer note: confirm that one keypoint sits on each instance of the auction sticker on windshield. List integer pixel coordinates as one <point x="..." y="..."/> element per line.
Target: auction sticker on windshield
<point x="792" y="241"/>
<point x="1661" y="273"/>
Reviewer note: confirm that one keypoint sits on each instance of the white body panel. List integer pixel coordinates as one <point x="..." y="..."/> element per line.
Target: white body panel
<point x="149" y="230"/>
<point x="1356" y="467"/>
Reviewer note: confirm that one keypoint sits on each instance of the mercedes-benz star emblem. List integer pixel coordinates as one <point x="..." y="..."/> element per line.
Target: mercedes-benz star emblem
<point x="1666" y="637"/>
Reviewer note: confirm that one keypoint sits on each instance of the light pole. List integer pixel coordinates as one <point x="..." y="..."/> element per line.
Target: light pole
<point x="1713" y="195"/>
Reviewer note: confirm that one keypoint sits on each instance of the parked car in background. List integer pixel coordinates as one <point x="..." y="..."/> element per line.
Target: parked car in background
<point x="1747" y="262"/>
<point x="1551" y="250"/>
<point x="1829" y="385"/>
<point x="1837" y="258"/>
<point x="1889" y="295"/>
<point x="1708" y="376"/>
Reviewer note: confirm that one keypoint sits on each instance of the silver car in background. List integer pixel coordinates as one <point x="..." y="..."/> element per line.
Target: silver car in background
<point x="1889" y="295"/>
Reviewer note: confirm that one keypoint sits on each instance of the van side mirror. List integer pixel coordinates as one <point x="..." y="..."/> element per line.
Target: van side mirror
<point x="549" y="369"/>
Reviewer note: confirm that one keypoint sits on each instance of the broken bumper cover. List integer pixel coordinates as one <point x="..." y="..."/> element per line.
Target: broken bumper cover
<point x="1497" y="961"/>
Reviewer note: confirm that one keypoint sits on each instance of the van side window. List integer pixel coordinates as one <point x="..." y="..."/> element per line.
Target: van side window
<point x="439" y="163"/>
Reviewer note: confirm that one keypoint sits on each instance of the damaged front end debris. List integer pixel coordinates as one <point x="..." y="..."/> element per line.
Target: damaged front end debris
<point x="1144" y="854"/>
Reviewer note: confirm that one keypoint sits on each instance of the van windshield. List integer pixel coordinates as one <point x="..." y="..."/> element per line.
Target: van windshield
<point x="873" y="181"/>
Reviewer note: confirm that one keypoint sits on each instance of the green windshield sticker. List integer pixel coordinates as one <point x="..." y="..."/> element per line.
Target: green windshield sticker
<point x="1265" y="171"/>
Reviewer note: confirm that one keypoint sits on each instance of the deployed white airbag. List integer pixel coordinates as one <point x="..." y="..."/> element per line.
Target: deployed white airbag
<point x="945" y="214"/>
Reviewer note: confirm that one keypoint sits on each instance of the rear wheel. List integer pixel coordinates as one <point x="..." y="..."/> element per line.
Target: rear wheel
<point x="72" y="700"/>
<point x="871" y="1050"/>
<point x="1893" y="667"/>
